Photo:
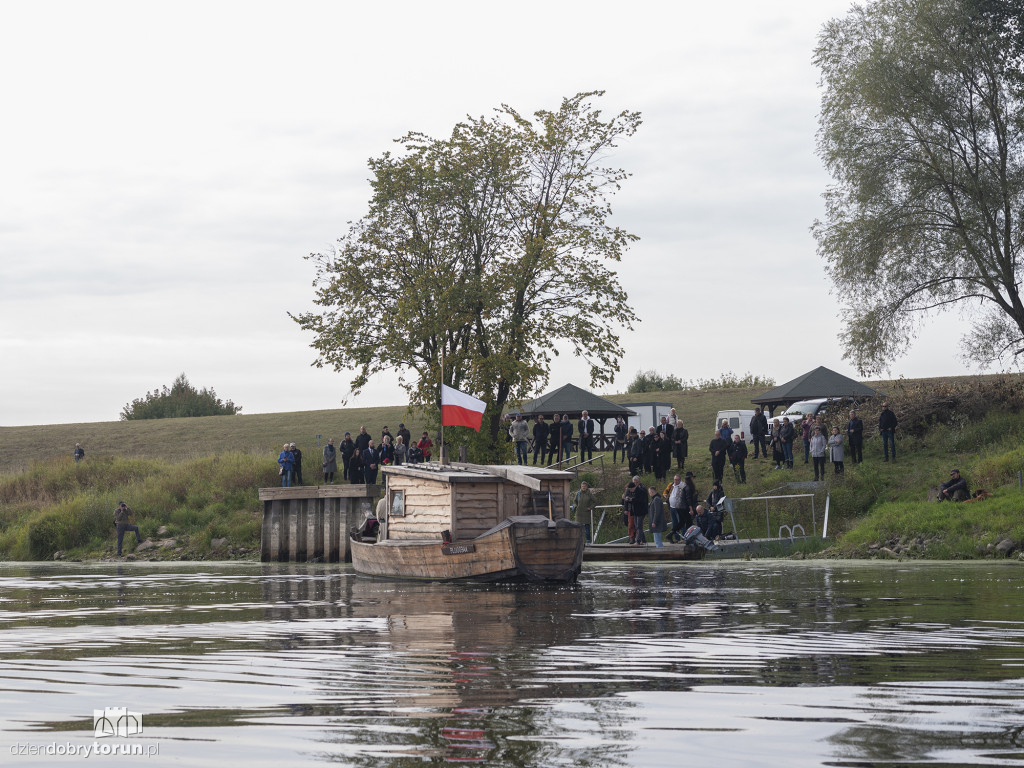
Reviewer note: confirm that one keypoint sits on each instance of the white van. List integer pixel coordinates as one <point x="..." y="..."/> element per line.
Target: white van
<point x="739" y="421"/>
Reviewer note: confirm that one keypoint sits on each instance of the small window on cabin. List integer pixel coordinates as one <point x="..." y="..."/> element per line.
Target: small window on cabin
<point x="398" y="504"/>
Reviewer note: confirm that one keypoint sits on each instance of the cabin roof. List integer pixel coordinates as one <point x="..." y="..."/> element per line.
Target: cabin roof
<point x="478" y="473"/>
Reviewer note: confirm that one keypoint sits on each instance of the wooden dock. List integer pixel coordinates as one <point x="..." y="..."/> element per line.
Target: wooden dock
<point x="311" y="523"/>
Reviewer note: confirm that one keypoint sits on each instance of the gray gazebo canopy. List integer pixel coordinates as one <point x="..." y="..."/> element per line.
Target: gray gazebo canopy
<point x="821" y="382"/>
<point x="572" y="400"/>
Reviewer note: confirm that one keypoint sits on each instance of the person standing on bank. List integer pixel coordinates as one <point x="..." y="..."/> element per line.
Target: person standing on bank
<point x="554" y="440"/>
<point x="681" y="444"/>
<point x="620" y="430"/>
<point x="738" y="458"/>
<point x="124" y="520"/>
<point x="719" y="449"/>
<point x="330" y="461"/>
<point x="887" y="429"/>
<point x="586" y="427"/>
<point x="787" y="433"/>
<point x="835" y="449"/>
<point x="656" y="514"/>
<point x="566" y="426"/>
<point x="583" y="508"/>
<point x="519" y="431"/>
<point x="346" y="449"/>
<point x="296" y="465"/>
<point x="79" y="452"/>
<point x="758" y="433"/>
<point x="371" y="463"/>
<point x="540" y="439"/>
<point x="400" y="451"/>
<point x="855" y="434"/>
<point x="355" y="467"/>
<point x="818" y="444"/>
<point x="287" y="460"/>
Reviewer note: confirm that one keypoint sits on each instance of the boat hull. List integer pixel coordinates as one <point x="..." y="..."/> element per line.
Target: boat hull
<point x="529" y="548"/>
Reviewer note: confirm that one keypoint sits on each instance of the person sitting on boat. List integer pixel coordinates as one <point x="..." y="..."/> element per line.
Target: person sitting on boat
<point x="370" y="526"/>
<point x="708" y="523"/>
<point x="716" y="495"/>
<point x="954" y="489"/>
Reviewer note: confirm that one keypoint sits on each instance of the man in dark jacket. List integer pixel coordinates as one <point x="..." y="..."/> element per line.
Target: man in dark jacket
<point x="738" y="458"/>
<point x="371" y="463"/>
<point x="362" y="439"/>
<point x="345" y="449"/>
<point x="719" y="449"/>
<point x="680" y="444"/>
<point x="124" y="520"/>
<point x="540" y="438"/>
<point x="620" y="438"/>
<point x="296" y="466"/>
<point x="787" y="434"/>
<point x="758" y="431"/>
<point x="855" y="430"/>
<point x="554" y="439"/>
<point x="954" y="489"/>
<point x="566" y="428"/>
<point x="586" y="427"/>
<point x="887" y="429"/>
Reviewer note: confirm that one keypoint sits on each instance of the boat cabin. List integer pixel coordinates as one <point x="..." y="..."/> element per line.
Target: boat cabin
<point x="425" y="500"/>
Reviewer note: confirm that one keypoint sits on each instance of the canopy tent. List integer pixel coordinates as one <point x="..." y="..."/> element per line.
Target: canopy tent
<point x="821" y="382"/>
<point x="573" y="400"/>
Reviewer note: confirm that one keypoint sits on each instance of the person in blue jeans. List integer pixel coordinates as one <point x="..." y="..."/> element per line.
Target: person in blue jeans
<point x="287" y="461"/>
<point x="887" y="429"/>
<point x="787" y="434"/>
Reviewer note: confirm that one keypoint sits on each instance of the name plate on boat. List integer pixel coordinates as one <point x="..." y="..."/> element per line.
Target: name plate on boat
<point x="458" y="549"/>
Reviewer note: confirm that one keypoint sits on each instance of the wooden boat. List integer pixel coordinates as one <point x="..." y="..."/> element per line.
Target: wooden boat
<point x="473" y="522"/>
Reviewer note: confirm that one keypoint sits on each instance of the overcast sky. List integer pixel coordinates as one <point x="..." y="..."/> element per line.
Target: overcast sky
<point x="164" y="168"/>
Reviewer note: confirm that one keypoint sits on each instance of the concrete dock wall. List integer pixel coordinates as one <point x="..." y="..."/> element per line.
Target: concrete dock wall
<point x="311" y="523"/>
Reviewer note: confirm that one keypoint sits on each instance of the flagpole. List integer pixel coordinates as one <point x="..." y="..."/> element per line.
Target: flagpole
<point x="442" y="449"/>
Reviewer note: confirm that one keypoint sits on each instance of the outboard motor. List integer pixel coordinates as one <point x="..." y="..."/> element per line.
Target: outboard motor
<point x="695" y="537"/>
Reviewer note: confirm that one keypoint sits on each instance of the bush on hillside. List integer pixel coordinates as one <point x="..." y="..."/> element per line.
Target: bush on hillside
<point x="179" y="400"/>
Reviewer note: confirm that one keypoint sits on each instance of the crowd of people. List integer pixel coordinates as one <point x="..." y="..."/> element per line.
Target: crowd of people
<point x="685" y="509"/>
<point x="360" y="458"/>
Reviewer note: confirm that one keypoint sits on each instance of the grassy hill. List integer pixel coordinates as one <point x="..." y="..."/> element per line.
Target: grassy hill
<point x="195" y="480"/>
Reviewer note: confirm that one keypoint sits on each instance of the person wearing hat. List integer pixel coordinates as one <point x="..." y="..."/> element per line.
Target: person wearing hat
<point x="954" y="489"/>
<point x="345" y="449"/>
<point x="124" y="520"/>
<point x="296" y="465"/>
<point x="286" y="459"/>
<point x="330" y="461"/>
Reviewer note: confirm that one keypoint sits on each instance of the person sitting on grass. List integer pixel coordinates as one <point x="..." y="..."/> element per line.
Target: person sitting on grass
<point x="954" y="489"/>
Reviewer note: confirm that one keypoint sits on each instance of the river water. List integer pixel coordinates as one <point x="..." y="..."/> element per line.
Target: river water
<point x="734" y="664"/>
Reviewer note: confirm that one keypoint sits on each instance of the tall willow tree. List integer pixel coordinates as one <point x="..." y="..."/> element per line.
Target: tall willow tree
<point x="492" y="247"/>
<point x="921" y="127"/>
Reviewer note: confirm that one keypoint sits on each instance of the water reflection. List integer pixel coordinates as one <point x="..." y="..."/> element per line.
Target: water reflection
<point x="735" y="664"/>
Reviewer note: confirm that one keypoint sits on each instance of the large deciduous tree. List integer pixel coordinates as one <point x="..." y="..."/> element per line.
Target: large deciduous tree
<point x="491" y="248"/>
<point x="921" y="129"/>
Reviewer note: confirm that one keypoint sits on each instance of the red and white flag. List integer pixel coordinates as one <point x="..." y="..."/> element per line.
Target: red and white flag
<point x="460" y="410"/>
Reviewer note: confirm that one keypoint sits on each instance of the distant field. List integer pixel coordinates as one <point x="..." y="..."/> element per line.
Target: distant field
<point x="182" y="439"/>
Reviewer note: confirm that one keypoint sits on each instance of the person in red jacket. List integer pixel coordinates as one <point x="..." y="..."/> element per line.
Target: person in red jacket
<point x="425" y="444"/>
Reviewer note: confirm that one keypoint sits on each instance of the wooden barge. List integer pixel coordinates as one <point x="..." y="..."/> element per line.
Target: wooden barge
<point x="474" y="522"/>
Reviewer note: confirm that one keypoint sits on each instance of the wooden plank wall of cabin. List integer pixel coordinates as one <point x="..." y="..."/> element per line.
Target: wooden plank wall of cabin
<point x="428" y="508"/>
<point x="476" y="508"/>
<point x="513" y="501"/>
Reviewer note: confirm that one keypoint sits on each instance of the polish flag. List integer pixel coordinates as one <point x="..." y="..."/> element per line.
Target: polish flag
<point x="460" y="410"/>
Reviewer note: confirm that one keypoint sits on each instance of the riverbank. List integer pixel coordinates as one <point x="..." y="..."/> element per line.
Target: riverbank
<point x="205" y="506"/>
